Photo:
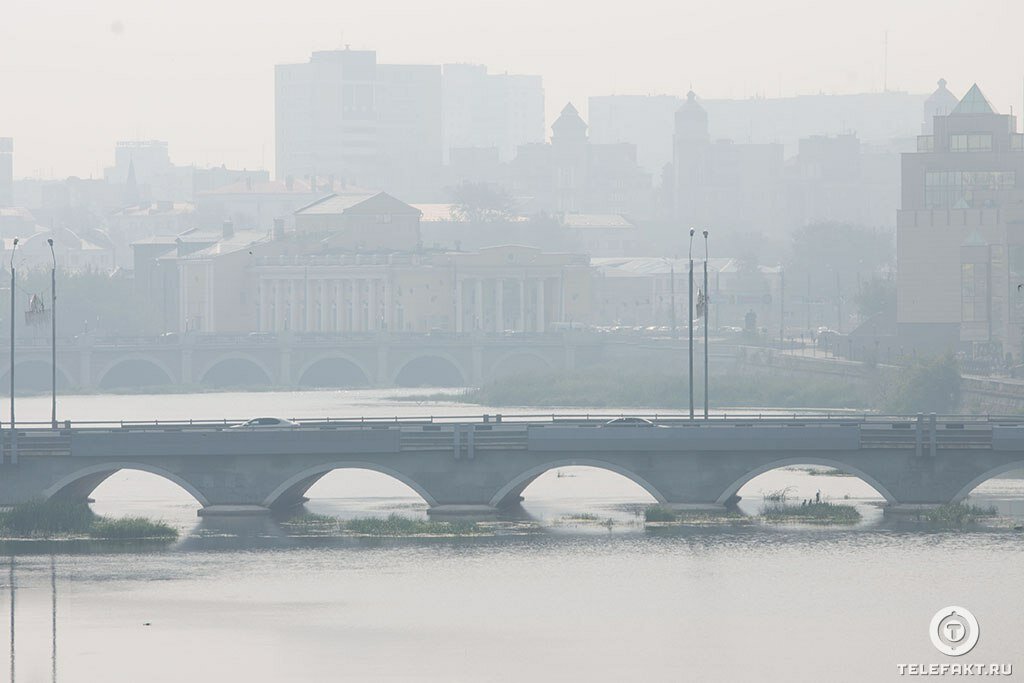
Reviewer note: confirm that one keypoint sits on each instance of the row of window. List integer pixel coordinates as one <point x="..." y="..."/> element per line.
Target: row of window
<point x="970" y="142"/>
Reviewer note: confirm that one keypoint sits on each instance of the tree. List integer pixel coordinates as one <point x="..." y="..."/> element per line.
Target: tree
<point x="878" y="295"/>
<point x="929" y="385"/>
<point x="481" y="203"/>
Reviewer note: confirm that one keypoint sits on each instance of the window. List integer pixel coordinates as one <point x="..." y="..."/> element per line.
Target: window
<point x="966" y="189"/>
<point x="970" y="142"/>
<point x="1017" y="142"/>
<point x="925" y="143"/>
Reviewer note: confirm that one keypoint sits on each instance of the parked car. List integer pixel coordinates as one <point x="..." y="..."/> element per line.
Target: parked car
<point x="267" y="423"/>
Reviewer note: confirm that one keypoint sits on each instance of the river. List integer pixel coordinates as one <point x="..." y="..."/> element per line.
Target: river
<point x="591" y="600"/>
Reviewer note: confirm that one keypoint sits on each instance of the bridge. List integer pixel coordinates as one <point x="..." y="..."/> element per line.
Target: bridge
<point x="288" y="359"/>
<point x="484" y="464"/>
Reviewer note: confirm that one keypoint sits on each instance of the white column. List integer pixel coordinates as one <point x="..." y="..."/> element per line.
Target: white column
<point x="264" y="319"/>
<point x="499" y="305"/>
<point x="389" y="305"/>
<point x="372" y="314"/>
<point x="522" y="305"/>
<point x="325" y="307"/>
<point x="354" y="305"/>
<point x="540" y="304"/>
<point x="295" y="289"/>
<point x="479" y="294"/>
<point x="458" y="304"/>
<point x="278" y="305"/>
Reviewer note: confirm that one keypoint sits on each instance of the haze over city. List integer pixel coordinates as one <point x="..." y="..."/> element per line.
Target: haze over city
<point x="74" y="79"/>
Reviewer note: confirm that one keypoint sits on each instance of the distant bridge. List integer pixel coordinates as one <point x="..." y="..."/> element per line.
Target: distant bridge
<point x="485" y="464"/>
<point x="318" y="360"/>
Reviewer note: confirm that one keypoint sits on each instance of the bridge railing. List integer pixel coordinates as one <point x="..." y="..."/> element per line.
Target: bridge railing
<point x="583" y="419"/>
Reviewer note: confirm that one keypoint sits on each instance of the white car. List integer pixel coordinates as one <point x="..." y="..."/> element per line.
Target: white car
<point x="267" y="423"/>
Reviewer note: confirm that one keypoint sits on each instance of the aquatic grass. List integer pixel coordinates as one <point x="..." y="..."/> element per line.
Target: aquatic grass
<point x="812" y="513"/>
<point x="49" y="519"/>
<point x="659" y="513"/>
<point x="131" y="528"/>
<point x="778" y="495"/>
<point x="958" y="514"/>
<point x="581" y="517"/>
<point x="397" y="525"/>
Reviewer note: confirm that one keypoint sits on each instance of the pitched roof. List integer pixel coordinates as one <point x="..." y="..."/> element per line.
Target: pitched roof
<point x="974" y="102"/>
<point x="381" y="202"/>
<point x="596" y="220"/>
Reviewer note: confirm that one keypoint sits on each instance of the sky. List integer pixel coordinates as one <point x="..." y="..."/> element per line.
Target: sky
<point x="76" y="77"/>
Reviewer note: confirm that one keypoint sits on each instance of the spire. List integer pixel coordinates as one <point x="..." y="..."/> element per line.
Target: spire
<point x="974" y="102"/>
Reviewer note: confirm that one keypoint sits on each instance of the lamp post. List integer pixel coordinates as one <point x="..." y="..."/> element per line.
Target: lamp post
<point x="14" y="450"/>
<point x="53" y="337"/>
<point x="689" y="319"/>
<point x="707" y="321"/>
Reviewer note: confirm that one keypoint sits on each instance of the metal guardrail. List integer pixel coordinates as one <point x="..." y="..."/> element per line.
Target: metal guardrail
<point x="540" y="419"/>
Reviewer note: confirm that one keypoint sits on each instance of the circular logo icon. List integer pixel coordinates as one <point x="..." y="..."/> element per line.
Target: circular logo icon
<point x="954" y="631"/>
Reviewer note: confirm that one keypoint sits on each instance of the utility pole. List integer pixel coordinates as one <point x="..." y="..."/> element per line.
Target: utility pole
<point x="53" y="337"/>
<point x="689" y="321"/>
<point x="14" y="446"/>
<point x="782" y="308"/>
<point x="707" y="322"/>
<point x="672" y="299"/>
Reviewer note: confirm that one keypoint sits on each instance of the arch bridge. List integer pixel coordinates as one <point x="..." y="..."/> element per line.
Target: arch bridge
<point x="484" y="464"/>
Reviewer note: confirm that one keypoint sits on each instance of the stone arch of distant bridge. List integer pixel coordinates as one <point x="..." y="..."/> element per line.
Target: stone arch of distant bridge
<point x="334" y="361"/>
<point x="39" y="370"/>
<point x="240" y="361"/>
<point x="294" y="488"/>
<point x="403" y="371"/>
<point x="81" y="483"/>
<point x="982" y="478"/>
<point x="735" y="486"/>
<point x="510" y="492"/>
<point x="144" y="362"/>
<point x="517" y="362"/>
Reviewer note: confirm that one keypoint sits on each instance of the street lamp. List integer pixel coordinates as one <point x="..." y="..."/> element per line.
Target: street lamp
<point x="689" y="319"/>
<point x="707" y="321"/>
<point x="14" y="451"/>
<point x="53" y="337"/>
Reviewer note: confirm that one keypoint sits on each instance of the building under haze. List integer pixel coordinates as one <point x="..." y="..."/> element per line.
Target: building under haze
<point x="723" y="184"/>
<point x="6" y="172"/>
<point x="960" y="233"/>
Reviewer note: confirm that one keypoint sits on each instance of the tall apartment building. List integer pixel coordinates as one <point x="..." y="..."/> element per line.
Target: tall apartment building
<point x="960" y="233"/>
<point x="499" y="111"/>
<point x="345" y="117"/>
<point x="6" y="171"/>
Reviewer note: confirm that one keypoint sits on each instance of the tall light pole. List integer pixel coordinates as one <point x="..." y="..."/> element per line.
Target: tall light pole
<point x="707" y="321"/>
<point x="689" y="320"/>
<point x="14" y="448"/>
<point x="53" y="337"/>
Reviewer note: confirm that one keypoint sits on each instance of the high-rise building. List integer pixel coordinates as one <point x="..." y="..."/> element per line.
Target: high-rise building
<point x="6" y="171"/>
<point x="482" y="110"/>
<point x="723" y="184"/>
<point x="960" y="233"/>
<point x="344" y="116"/>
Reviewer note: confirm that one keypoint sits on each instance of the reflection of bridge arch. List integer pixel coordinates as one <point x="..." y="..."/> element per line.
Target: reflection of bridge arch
<point x="135" y="370"/>
<point x="432" y="369"/>
<point x="806" y="460"/>
<point x="981" y="479"/>
<point x="334" y="370"/>
<point x="236" y="370"/>
<point x="34" y="375"/>
<point x="510" y="492"/>
<point x="81" y="483"/>
<point x="295" y="487"/>
<point x="518" y="363"/>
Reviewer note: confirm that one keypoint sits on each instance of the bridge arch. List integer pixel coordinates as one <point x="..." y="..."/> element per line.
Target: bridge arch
<point x="81" y="483"/>
<point x="334" y="370"/>
<point x="235" y="370"/>
<point x="806" y="460"/>
<point x="435" y="368"/>
<point x="981" y="479"/>
<point x="34" y="375"/>
<point x="293" y="488"/>
<point x="510" y="492"/>
<point x="135" y="370"/>
<point x="517" y="363"/>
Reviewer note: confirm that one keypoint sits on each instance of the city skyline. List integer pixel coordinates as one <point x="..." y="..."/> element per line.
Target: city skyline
<point x="180" y="62"/>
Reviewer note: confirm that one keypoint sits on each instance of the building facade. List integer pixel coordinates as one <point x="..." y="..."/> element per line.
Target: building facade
<point x="960" y="233"/>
